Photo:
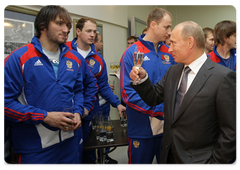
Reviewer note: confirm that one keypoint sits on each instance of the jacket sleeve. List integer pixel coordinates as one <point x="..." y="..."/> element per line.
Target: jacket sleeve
<point x="104" y="88"/>
<point x="90" y="85"/>
<point x="149" y="93"/>
<point x="78" y="94"/>
<point x="129" y="95"/>
<point x="14" y="110"/>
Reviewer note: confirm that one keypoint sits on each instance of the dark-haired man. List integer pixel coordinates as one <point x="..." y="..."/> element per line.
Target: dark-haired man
<point x="224" y="52"/>
<point x="42" y="79"/>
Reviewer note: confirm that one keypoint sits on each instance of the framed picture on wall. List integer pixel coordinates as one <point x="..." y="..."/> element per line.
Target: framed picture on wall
<point x="74" y="27"/>
<point x="18" y="27"/>
<point x="16" y="34"/>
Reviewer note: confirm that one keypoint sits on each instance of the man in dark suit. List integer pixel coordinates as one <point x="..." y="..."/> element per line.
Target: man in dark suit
<point x="200" y="126"/>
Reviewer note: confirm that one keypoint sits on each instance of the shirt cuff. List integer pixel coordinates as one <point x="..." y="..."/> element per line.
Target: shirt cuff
<point x="142" y="80"/>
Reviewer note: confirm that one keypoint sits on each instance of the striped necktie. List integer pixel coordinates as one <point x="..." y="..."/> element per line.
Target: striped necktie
<point x="181" y="91"/>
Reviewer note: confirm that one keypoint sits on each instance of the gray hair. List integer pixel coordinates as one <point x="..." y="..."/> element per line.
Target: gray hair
<point x="190" y="28"/>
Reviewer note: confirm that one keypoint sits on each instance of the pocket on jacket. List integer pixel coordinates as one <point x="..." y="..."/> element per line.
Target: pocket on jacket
<point x="201" y="156"/>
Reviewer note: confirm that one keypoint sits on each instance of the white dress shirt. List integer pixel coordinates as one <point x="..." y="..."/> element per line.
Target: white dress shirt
<point x="195" y="67"/>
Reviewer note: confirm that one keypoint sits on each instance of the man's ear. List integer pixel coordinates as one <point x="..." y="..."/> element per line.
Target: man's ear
<point x="191" y="42"/>
<point x="78" y="31"/>
<point x="153" y="24"/>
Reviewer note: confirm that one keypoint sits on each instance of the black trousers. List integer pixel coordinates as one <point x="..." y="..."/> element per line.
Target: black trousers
<point x="171" y="159"/>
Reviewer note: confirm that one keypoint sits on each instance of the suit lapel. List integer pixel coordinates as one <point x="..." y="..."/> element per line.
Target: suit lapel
<point x="203" y="74"/>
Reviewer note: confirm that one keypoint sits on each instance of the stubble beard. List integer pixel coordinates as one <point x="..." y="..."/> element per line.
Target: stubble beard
<point x="51" y="36"/>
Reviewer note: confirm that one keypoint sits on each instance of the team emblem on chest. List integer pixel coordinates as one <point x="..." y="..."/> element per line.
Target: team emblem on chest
<point x="166" y="59"/>
<point x="91" y="62"/>
<point x="69" y="65"/>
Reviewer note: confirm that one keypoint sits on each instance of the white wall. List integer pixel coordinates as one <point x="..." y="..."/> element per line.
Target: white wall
<point x="205" y="16"/>
<point x="140" y="11"/>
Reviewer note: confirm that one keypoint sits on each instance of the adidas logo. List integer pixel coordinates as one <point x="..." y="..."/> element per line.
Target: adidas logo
<point x="146" y="58"/>
<point x="38" y="63"/>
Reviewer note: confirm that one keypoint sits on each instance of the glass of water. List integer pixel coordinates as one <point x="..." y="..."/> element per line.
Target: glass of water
<point x="110" y="130"/>
<point x="102" y="132"/>
<point x="123" y="120"/>
<point x="70" y="110"/>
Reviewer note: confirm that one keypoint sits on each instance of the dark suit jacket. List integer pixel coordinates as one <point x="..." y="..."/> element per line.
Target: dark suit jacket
<point x="204" y="130"/>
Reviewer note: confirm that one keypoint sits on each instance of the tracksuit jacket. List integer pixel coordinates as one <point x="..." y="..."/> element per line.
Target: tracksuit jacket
<point x="215" y="57"/>
<point x="144" y="121"/>
<point x="89" y="85"/>
<point x="98" y="67"/>
<point x="32" y="90"/>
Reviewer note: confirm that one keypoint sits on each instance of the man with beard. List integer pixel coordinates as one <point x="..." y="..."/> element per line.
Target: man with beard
<point x="42" y="79"/>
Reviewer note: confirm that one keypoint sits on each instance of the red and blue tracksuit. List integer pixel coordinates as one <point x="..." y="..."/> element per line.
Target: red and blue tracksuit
<point x="145" y="123"/>
<point x="229" y="63"/>
<point x="31" y="90"/>
<point x="98" y="67"/>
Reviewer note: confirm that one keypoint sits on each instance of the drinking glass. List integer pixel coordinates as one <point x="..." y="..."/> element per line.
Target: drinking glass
<point x="97" y="130"/>
<point x="68" y="109"/>
<point x="99" y="124"/>
<point x="117" y="66"/>
<point x="138" y="59"/>
<point x="112" y="66"/>
<point x="138" y="56"/>
<point x="110" y="133"/>
<point x="102" y="131"/>
<point x="94" y="122"/>
<point x="123" y="121"/>
<point x="109" y="130"/>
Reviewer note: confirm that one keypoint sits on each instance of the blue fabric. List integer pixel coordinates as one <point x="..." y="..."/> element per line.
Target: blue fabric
<point x="63" y="154"/>
<point x="139" y="151"/>
<point x="88" y="156"/>
<point x="98" y="67"/>
<point x="156" y="64"/>
<point x="32" y="90"/>
<point x="229" y="63"/>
